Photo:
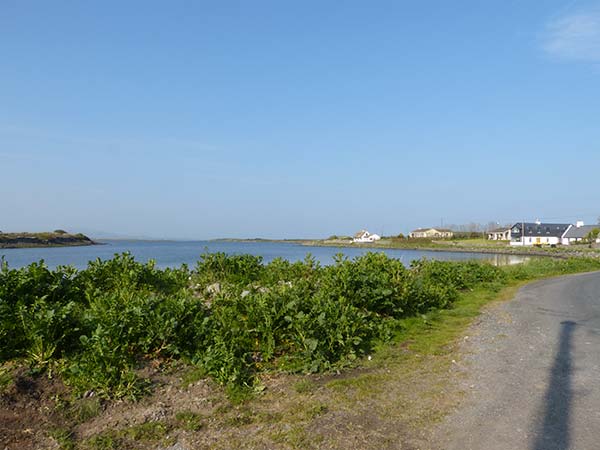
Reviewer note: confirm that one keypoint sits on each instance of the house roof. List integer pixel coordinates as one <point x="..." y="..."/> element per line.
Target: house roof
<point x="579" y="232"/>
<point x="360" y="233"/>
<point x="500" y="230"/>
<point x="533" y="229"/>
<point x="445" y="230"/>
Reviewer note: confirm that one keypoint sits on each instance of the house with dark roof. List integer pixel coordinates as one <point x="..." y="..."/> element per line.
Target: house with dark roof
<point x="538" y="233"/>
<point x="578" y="232"/>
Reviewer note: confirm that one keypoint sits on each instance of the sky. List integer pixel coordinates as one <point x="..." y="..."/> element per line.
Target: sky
<point x="281" y="119"/>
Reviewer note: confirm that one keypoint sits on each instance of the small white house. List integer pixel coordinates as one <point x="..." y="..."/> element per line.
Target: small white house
<point x="364" y="236"/>
<point x="431" y="233"/>
<point x="499" y="234"/>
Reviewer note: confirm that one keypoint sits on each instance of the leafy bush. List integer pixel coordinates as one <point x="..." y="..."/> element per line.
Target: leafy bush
<point x="38" y="311"/>
<point x="229" y="268"/>
<point x="100" y="325"/>
<point x="123" y="273"/>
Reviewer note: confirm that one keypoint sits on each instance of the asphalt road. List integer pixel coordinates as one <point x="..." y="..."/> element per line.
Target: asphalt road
<point x="531" y="372"/>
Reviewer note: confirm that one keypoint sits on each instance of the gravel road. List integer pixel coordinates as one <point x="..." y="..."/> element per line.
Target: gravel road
<point x="531" y="372"/>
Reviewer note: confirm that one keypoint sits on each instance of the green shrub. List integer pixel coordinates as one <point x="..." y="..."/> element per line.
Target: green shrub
<point x="234" y="269"/>
<point x="100" y="325"/>
<point x="125" y="274"/>
<point x="39" y="315"/>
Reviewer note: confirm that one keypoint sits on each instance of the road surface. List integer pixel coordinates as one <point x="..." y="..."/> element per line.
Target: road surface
<point x="532" y="372"/>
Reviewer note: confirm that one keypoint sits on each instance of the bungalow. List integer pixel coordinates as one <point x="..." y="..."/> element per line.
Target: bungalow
<point x="499" y="234"/>
<point x="431" y="233"/>
<point x="538" y="233"/>
<point x="365" y="236"/>
<point x="578" y="233"/>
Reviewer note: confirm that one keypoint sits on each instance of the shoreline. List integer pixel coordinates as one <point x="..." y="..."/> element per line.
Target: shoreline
<point x="559" y="252"/>
<point x="16" y="246"/>
<point x="488" y="251"/>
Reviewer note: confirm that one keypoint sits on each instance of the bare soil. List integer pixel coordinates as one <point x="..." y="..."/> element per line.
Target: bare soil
<point x="382" y="405"/>
<point x="27" y="411"/>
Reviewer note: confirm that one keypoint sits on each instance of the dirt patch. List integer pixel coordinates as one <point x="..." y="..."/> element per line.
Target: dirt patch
<point x="377" y="406"/>
<point x="27" y="411"/>
<point x="168" y="399"/>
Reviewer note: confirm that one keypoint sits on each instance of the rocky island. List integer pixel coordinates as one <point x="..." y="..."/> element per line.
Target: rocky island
<point x="57" y="238"/>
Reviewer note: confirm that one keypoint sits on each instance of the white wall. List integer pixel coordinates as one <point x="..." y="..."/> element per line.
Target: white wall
<point x="533" y="240"/>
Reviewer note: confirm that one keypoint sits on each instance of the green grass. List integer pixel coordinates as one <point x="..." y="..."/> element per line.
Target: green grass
<point x="189" y="421"/>
<point x="304" y="385"/>
<point x="129" y="438"/>
<point x="6" y="377"/>
<point x="63" y="438"/>
<point x="85" y="409"/>
<point x="193" y="375"/>
<point x="481" y="242"/>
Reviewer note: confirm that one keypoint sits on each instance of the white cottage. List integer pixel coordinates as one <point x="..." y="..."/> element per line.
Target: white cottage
<point x="499" y="234"/>
<point x="364" y="236"/>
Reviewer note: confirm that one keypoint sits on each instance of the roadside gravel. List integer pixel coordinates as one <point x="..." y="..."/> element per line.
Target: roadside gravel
<point x="530" y="372"/>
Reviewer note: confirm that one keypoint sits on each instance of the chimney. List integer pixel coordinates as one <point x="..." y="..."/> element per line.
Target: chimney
<point x="579" y="223"/>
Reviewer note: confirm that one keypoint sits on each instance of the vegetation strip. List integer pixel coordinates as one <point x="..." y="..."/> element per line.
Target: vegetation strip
<point x="237" y="319"/>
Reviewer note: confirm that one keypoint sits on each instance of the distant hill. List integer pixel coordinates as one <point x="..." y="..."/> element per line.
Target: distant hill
<point x="58" y="238"/>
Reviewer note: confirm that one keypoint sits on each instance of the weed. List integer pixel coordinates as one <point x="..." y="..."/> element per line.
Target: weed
<point x="85" y="409"/>
<point x="6" y="378"/>
<point x="189" y="421"/>
<point x="128" y="437"/>
<point x="240" y="417"/>
<point x="149" y="431"/>
<point x="101" y="442"/>
<point x="63" y="437"/>
<point x="193" y="375"/>
<point x="304" y="385"/>
<point x="317" y="410"/>
<point x="296" y="437"/>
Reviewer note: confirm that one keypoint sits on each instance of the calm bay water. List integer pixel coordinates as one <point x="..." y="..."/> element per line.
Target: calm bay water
<point x="175" y="253"/>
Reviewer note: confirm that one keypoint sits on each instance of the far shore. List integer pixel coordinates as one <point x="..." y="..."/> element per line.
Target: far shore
<point x="454" y="246"/>
<point x="57" y="238"/>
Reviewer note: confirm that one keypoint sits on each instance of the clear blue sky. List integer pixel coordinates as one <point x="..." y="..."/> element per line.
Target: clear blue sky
<point x="296" y="119"/>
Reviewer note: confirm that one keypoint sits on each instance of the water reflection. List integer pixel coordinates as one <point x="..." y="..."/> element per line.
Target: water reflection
<point x="506" y="260"/>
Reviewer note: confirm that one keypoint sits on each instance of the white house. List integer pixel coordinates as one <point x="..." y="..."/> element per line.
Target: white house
<point x="499" y="234"/>
<point x="431" y="233"/>
<point x="537" y="233"/>
<point x="578" y="232"/>
<point x="365" y="236"/>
